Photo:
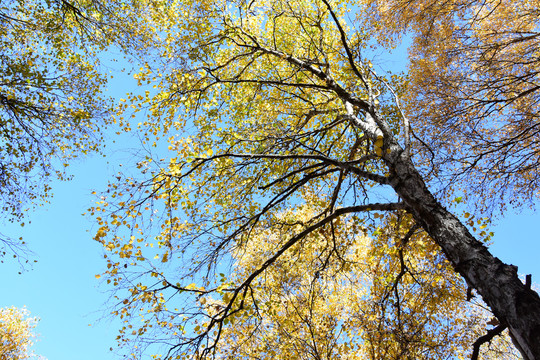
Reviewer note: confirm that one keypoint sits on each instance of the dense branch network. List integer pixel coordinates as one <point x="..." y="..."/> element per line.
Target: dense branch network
<point x="292" y="151"/>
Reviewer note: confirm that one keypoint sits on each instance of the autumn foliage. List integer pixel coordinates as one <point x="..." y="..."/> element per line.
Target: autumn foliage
<point x="16" y="334"/>
<point x="302" y="209"/>
<point x="474" y="80"/>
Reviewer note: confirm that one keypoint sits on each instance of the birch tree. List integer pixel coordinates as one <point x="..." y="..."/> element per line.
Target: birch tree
<point x="274" y="107"/>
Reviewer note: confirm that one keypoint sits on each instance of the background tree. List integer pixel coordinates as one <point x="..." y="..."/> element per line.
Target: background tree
<point x="474" y="80"/>
<point x="278" y="108"/>
<point x="53" y="105"/>
<point x="51" y="102"/>
<point x="16" y="334"/>
<point x="358" y="299"/>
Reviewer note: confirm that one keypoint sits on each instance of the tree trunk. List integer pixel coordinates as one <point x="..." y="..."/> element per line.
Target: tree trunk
<point x="514" y="304"/>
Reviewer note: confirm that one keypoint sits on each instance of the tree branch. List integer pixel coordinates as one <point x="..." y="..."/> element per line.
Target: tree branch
<point x="486" y="338"/>
<point x="346" y="165"/>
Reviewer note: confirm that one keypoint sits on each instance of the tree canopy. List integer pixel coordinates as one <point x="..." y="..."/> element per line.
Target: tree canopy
<point x="16" y="334"/>
<point x="51" y="102"/>
<point x="474" y="79"/>
<point x="301" y="173"/>
<point x="54" y="68"/>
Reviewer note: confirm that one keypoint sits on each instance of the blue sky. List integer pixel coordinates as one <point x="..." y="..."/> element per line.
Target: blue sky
<point x="61" y="287"/>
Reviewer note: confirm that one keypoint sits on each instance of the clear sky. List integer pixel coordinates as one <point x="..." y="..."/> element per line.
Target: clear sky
<point x="62" y="289"/>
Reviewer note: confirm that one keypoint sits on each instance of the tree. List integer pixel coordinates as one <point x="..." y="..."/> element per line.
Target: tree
<point x="364" y="299"/>
<point x="51" y="101"/>
<point x="16" y="334"/>
<point x="473" y="79"/>
<point x="53" y="104"/>
<point x="280" y="109"/>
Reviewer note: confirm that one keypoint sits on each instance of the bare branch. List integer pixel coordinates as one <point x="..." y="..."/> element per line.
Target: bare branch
<point x="484" y="339"/>
<point x="346" y="165"/>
